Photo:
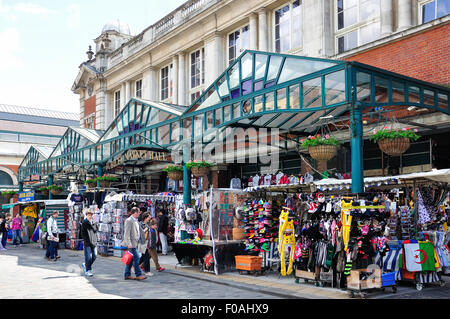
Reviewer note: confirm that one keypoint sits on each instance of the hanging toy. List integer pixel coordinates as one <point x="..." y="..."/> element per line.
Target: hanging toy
<point x="286" y="239"/>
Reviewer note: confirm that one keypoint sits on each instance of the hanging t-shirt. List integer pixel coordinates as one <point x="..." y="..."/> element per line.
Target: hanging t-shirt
<point x="284" y="180"/>
<point x="77" y="198"/>
<point x="274" y="180"/>
<point x="250" y="181"/>
<point x="267" y="180"/>
<point x="279" y="176"/>
<point x="293" y="180"/>
<point x="255" y="180"/>
<point x="235" y="183"/>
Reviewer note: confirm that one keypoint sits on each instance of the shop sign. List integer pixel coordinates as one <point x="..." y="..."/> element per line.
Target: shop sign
<point x="26" y="196"/>
<point x="138" y="155"/>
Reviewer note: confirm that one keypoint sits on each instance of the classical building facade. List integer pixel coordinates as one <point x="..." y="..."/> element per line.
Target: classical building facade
<point x="179" y="56"/>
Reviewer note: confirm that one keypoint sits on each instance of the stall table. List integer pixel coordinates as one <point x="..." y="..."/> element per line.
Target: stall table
<point x="225" y="252"/>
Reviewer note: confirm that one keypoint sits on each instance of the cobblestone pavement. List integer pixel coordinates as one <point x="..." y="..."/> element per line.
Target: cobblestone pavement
<point x="24" y="273"/>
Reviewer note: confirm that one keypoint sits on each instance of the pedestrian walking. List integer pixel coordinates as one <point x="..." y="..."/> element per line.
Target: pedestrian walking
<point x="52" y="237"/>
<point x="145" y="258"/>
<point x="131" y="238"/>
<point x="89" y="235"/>
<point x="152" y="240"/>
<point x="163" y="229"/>
<point x="3" y="231"/>
<point x="16" y="228"/>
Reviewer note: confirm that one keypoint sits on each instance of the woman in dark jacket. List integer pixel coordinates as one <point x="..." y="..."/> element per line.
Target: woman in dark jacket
<point x="89" y="236"/>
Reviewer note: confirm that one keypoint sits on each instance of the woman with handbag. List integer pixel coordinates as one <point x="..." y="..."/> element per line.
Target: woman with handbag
<point x="53" y="239"/>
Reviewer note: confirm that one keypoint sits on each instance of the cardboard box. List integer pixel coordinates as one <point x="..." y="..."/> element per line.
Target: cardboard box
<point x="354" y="282"/>
<point x="248" y="262"/>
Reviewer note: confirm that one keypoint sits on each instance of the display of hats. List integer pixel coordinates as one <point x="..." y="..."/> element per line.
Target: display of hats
<point x="190" y="214"/>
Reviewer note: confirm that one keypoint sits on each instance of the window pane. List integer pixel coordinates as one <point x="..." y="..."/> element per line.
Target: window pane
<point x="414" y="94"/>
<point x="398" y="92"/>
<point x="260" y="65"/>
<point x="270" y="105"/>
<point x="247" y="87"/>
<point x="246" y="65"/>
<point x="223" y="87"/>
<point x="294" y="97"/>
<point x="428" y="97"/>
<point x="369" y="9"/>
<point x="381" y="90"/>
<point x="227" y="115"/>
<point x="233" y="75"/>
<point x="247" y="107"/>
<point x="296" y="24"/>
<point x="348" y="41"/>
<point x="370" y="33"/>
<point x="443" y="101"/>
<point x="236" y="110"/>
<point x="428" y="12"/>
<point x="443" y="8"/>
<point x="245" y="41"/>
<point x="335" y="87"/>
<point x="281" y="99"/>
<point x="198" y="125"/>
<point x="187" y="128"/>
<point x="175" y="132"/>
<point x="274" y="67"/>
<point x="312" y="93"/>
<point x="209" y="120"/>
<point x="218" y="119"/>
<point x="363" y="84"/>
<point x="350" y="16"/>
<point x="258" y="104"/>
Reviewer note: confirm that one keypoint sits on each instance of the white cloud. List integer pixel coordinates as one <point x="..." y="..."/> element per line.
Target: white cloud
<point x="32" y="9"/>
<point x="9" y="59"/>
<point x="73" y="16"/>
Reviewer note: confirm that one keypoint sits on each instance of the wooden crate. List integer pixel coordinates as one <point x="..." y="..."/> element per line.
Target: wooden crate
<point x="303" y="274"/>
<point x="250" y="263"/>
<point x="353" y="281"/>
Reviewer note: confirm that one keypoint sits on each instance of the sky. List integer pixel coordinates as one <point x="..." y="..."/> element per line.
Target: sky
<point x="43" y="42"/>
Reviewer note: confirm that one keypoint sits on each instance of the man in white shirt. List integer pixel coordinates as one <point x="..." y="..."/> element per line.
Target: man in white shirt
<point x="52" y="238"/>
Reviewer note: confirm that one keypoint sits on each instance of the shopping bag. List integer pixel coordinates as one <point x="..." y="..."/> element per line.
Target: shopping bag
<point x="10" y="235"/>
<point x="127" y="258"/>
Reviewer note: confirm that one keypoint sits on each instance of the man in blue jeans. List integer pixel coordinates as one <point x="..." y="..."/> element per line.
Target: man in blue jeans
<point x="131" y="238"/>
<point x="89" y="236"/>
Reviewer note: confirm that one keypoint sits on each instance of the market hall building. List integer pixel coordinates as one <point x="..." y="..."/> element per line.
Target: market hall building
<point x="214" y="69"/>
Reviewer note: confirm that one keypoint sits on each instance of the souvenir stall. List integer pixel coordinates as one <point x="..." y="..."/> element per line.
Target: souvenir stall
<point x="209" y="231"/>
<point x="115" y="210"/>
<point x="425" y="231"/>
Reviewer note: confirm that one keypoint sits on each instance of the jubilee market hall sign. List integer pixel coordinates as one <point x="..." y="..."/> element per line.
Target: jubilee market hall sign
<point x="134" y="155"/>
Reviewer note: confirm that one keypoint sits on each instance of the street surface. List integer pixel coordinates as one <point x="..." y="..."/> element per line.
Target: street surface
<point x="25" y="273"/>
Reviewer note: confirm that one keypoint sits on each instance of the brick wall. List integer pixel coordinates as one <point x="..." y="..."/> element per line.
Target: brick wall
<point x="425" y="56"/>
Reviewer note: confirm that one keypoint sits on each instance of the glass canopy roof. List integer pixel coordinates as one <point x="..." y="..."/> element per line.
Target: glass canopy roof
<point x="260" y="89"/>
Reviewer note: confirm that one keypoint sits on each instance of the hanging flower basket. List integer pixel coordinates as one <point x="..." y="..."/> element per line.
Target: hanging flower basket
<point x="55" y="190"/>
<point x="8" y="195"/>
<point x="105" y="181"/>
<point x="322" y="152"/>
<point x="321" y="147"/>
<point x="199" y="168"/>
<point x="91" y="183"/>
<point x="175" y="172"/>
<point x="394" y="142"/>
<point x="394" y="147"/>
<point x="43" y="191"/>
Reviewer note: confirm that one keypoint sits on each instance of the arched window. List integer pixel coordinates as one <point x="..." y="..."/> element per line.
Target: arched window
<point x="5" y="179"/>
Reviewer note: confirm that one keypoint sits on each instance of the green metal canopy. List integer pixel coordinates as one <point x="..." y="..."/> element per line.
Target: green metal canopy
<point x="260" y="89"/>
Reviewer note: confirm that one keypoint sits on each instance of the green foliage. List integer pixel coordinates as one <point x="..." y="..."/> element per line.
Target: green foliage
<point x="318" y="139"/>
<point x="196" y="163"/>
<point x="389" y="133"/>
<point x="55" y="187"/>
<point x="9" y="193"/>
<point x="173" y="168"/>
<point x="42" y="189"/>
<point x="90" y="181"/>
<point x="107" y="178"/>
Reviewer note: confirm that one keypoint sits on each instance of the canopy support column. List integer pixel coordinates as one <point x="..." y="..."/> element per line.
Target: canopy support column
<point x="50" y="183"/>
<point x="99" y="172"/>
<point x="186" y="177"/>
<point x="356" y="143"/>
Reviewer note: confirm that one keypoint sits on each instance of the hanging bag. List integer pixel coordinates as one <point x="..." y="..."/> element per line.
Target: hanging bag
<point x="127" y="258"/>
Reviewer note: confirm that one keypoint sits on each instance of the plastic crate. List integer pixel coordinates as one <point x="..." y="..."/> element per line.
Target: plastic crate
<point x="250" y="263"/>
<point x="388" y="279"/>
